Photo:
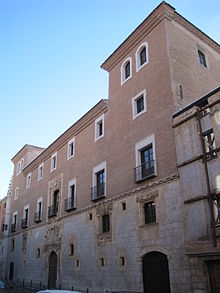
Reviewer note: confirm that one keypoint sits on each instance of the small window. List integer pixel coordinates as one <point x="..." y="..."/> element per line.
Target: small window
<point x="210" y="146"/>
<point x="38" y="252"/>
<point x="102" y="262"/>
<point x="16" y="192"/>
<point x="38" y="214"/>
<point x="99" y="182"/>
<point x="22" y="164"/>
<point x="28" y="182"/>
<point x="122" y="261"/>
<point x="139" y="105"/>
<point x="141" y="56"/>
<point x="12" y="245"/>
<point x="53" y="162"/>
<point x="71" y="249"/>
<point x="202" y="59"/>
<point x="99" y="127"/>
<point x="90" y="217"/>
<point x="40" y="171"/>
<point x="71" y="148"/>
<point x="24" y="222"/>
<point x="124" y="206"/>
<point x="105" y="223"/>
<point x="149" y="212"/>
<point x="77" y="263"/>
<point x="126" y="70"/>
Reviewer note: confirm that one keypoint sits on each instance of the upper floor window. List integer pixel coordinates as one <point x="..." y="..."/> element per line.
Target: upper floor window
<point x="141" y="56"/>
<point x="71" y="148"/>
<point x="28" y="182"/>
<point x="202" y="58"/>
<point x="139" y="105"/>
<point x="210" y="146"/>
<point x="14" y="222"/>
<point x="24" y="222"/>
<point x="99" y="181"/>
<point x="38" y="214"/>
<point x="20" y="166"/>
<point x="70" y="202"/>
<point x="40" y="171"/>
<point x="145" y="159"/>
<point x="16" y="193"/>
<point x="126" y="70"/>
<point x="53" y="162"/>
<point x="99" y="127"/>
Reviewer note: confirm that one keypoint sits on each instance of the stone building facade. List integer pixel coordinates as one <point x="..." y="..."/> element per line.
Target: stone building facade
<point x="105" y="206"/>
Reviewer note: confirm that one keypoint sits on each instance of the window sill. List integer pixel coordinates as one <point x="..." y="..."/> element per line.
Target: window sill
<point x="145" y="178"/>
<point x="98" y="198"/>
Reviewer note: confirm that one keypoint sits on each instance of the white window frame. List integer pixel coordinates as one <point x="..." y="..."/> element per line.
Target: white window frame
<point x="134" y="104"/>
<point x="205" y="55"/>
<point x="27" y="207"/>
<point x="16" y="193"/>
<point x="123" y="79"/>
<point x="96" y="169"/>
<point x="13" y="217"/>
<point x="71" y="142"/>
<point x="22" y="164"/>
<point x="40" y="167"/>
<point x="137" y="56"/>
<point x="38" y="201"/>
<point x="71" y="183"/>
<point x="97" y="122"/>
<point x="140" y="145"/>
<point x="52" y="168"/>
<point x="28" y="181"/>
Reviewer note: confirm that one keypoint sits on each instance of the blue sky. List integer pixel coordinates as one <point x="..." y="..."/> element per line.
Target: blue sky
<point x="50" y="57"/>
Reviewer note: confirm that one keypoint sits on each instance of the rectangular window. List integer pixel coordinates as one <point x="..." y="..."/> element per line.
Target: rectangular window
<point x="99" y="127"/>
<point x="70" y="202"/>
<point x="16" y="192"/>
<point x="14" y="222"/>
<point x="139" y="105"/>
<point x="24" y="222"/>
<point x="210" y="146"/>
<point x="40" y="171"/>
<point x="53" y="162"/>
<point x="38" y="214"/>
<point x="149" y="212"/>
<point x="28" y="182"/>
<point x="71" y="148"/>
<point x="202" y="59"/>
<point x="99" y="181"/>
<point x="145" y="159"/>
<point x="105" y="223"/>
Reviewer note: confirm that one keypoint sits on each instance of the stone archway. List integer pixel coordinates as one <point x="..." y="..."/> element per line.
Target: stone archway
<point x="52" y="274"/>
<point x="155" y="273"/>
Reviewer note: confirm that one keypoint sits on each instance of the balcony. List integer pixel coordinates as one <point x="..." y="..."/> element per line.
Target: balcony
<point x="37" y="217"/>
<point x="98" y="191"/>
<point x="52" y="211"/>
<point x="13" y="227"/>
<point x="69" y="204"/>
<point x="144" y="171"/>
<point x="24" y="223"/>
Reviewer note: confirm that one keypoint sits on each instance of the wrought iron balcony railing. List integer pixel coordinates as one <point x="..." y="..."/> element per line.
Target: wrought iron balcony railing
<point x="37" y="217"/>
<point x="69" y="204"/>
<point x="13" y="227"/>
<point x="144" y="171"/>
<point x="52" y="211"/>
<point x="24" y="223"/>
<point x="98" y="191"/>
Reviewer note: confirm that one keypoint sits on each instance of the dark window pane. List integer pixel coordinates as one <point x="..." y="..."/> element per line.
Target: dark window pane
<point x="202" y="59"/>
<point x="143" y="56"/>
<point x="127" y="70"/>
<point x="140" y="104"/>
<point x="105" y="224"/>
<point x="150" y="212"/>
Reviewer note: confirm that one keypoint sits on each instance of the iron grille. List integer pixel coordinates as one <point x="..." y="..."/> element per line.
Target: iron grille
<point x="98" y="191"/>
<point x="144" y="171"/>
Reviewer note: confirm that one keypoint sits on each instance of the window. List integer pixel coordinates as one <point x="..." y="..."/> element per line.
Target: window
<point x="24" y="222"/>
<point x="38" y="214"/>
<point x="28" y="182"/>
<point x="77" y="263"/>
<point x="71" y="249"/>
<point x="139" y="105"/>
<point x="210" y="146"/>
<point x="99" y="182"/>
<point x="202" y="59"/>
<point x="16" y="192"/>
<point x="53" y="162"/>
<point x="105" y="223"/>
<point x="14" y="222"/>
<point x="90" y="217"/>
<point x="70" y="202"/>
<point x="101" y="262"/>
<point x="20" y="166"/>
<point x="99" y="127"/>
<point x="216" y="209"/>
<point x="53" y="209"/>
<point x="141" y="56"/>
<point x="145" y="159"/>
<point x="124" y="206"/>
<point x="126" y="70"/>
<point x="149" y="212"/>
<point x="38" y="252"/>
<point x="71" y="149"/>
<point x="122" y="261"/>
<point x="40" y="171"/>
<point x="12" y="245"/>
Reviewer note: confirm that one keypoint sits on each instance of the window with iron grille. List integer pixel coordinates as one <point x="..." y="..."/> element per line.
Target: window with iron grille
<point x="149" y="212"/>
<point x="105" y="223"/>
<point x="210" y="146"/>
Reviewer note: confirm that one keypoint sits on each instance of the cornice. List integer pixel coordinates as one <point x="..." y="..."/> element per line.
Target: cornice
<point x="82" y="123"/>
<point x="163" y="11"/>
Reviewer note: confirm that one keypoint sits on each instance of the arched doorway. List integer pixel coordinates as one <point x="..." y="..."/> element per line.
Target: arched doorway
<point x="11" y="271"/>
<point x="155" y="273"/>
<point x="52" y="277"/>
